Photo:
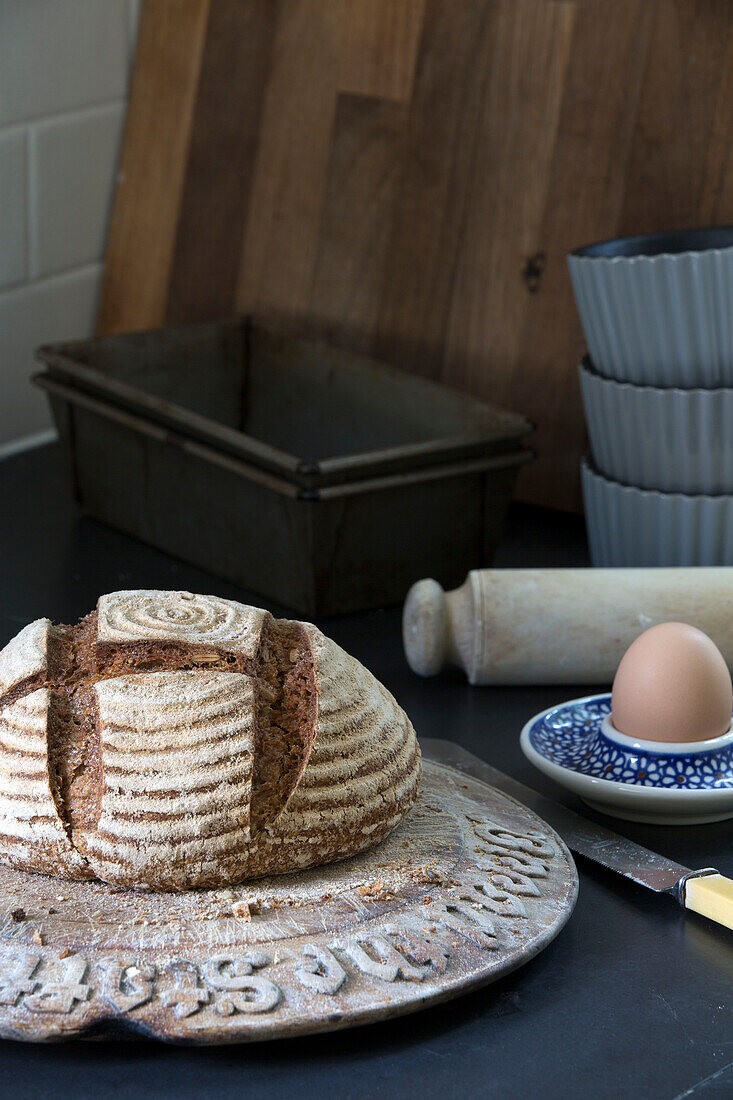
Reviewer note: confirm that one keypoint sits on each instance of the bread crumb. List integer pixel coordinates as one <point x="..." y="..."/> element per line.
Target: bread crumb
<point x="375" y="891"/>
<point x="18" y="914"/>
<point x="38" y="938"/>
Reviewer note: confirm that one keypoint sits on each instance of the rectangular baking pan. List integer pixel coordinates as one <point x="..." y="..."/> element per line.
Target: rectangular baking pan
<point x="318" y="550"/>
<point x="311" y="413"/>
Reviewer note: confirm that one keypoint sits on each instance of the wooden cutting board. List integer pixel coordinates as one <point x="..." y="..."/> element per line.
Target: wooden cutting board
<point x="405" y="176"/>
<point x="469" y="887"/>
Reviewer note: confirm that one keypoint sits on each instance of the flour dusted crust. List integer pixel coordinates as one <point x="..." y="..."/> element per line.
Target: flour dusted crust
<point x="32" y="832"/>
<point x="25" y="656"/>
<point x="362" y="772"/>
<point x="180" y="741"/>
<point x="177" y="749"/>
<point x="138" y="616"/>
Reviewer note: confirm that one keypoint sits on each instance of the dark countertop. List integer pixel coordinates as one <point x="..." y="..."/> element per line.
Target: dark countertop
<point x="631" y="1000"/>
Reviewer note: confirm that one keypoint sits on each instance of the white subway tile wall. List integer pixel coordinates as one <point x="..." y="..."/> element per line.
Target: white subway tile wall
<point x="47" y="310"/>
<point x="13" y="206"/>
<point x="59" y="55"/>
<point x="72" y="169"/>
<point x="64" y="73"/>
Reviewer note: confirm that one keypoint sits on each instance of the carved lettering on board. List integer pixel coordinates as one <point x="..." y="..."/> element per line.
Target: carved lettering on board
<point x="497" y="901"/>
<point x="528" y="853"/>
<point x="375" y="955"/>
<point x="127" y="984"/>
<point x="186" y="997"/>
<point x="242" y="989"/>
<point x="16" y="974"/>
<point x="319" y="970"/>
<point x="514" y="882"/>
<point x="531" y="841"/>
<point x="467" y="917"/>
<point x="62" y="986"/>
<point x="419" y="947"/>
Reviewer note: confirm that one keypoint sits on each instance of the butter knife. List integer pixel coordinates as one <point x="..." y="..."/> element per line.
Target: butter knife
<point x="704" y="891"/>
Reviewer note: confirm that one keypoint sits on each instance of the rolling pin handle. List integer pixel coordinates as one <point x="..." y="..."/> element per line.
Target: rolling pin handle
<point x="426" y="628"/>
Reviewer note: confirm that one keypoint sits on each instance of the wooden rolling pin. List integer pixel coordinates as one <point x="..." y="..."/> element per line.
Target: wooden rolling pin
<point x="557" y="626"/>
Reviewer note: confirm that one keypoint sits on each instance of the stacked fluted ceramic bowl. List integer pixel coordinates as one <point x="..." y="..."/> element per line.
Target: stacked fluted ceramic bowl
<point x="657" y="312"/>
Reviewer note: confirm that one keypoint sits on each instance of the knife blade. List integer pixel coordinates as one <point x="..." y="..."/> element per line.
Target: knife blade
<point x="704" y="890"/>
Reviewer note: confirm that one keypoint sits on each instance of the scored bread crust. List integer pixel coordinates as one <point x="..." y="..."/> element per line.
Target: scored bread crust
<point x="191" y="741"/>
<point x="33" y="833"/>
<point x="138" y="615"/>
<point x="177" y="749"/>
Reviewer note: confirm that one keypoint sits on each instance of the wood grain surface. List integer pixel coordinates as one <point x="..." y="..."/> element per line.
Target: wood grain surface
<point x="405" y="177"/>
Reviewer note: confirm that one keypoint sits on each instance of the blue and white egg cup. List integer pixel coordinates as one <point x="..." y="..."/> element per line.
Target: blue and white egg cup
<point x="662" y="783"/>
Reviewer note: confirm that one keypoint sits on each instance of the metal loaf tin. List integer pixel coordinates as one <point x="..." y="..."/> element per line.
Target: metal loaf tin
<point x="311" y="413"/>
<point x="343" y="543"/>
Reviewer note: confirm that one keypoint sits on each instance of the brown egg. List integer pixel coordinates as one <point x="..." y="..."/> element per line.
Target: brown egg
<point x="672" y="685"/>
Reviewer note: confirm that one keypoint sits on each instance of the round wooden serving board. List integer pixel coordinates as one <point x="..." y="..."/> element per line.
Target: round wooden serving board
<point x="470" y="886"/>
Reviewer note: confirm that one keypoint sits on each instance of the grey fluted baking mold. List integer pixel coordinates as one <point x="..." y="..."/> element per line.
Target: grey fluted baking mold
<point x="671" y="440"/>
<point x="629" y="526"/>
<point x="664" y="320"/>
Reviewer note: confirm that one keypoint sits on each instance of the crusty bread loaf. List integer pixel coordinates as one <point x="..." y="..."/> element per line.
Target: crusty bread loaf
<point x="171" y="740"/>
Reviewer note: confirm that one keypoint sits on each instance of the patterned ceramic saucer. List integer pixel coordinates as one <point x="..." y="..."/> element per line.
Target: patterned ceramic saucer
<point x="576" y="744"/>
